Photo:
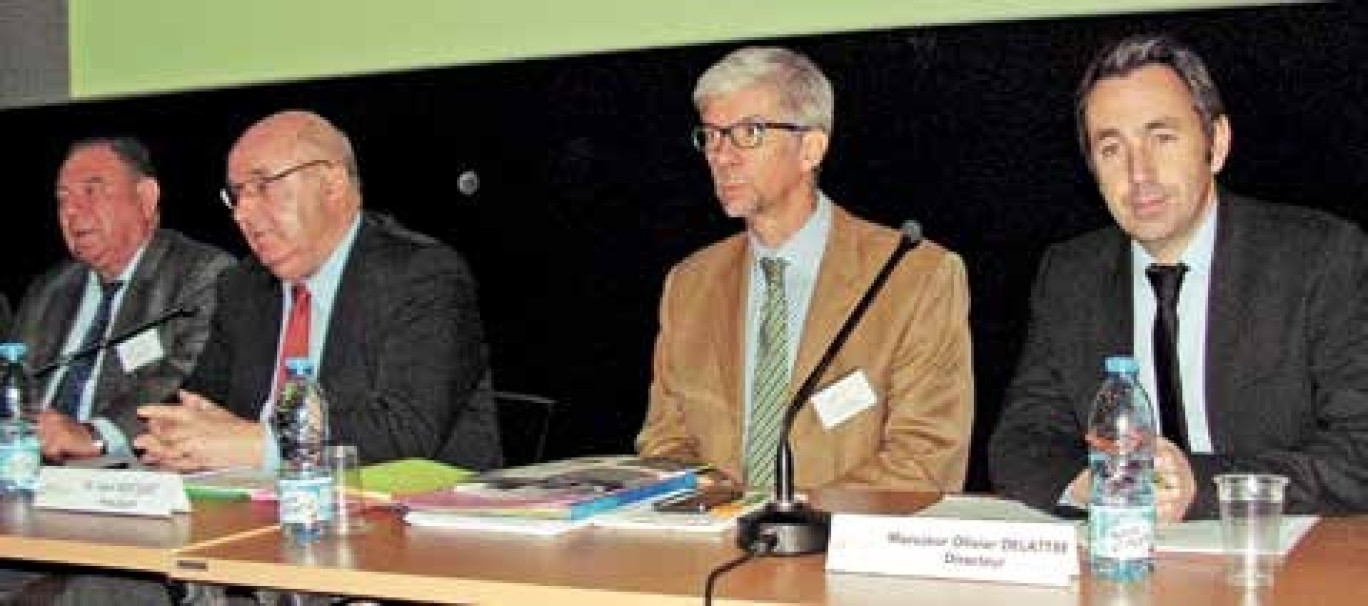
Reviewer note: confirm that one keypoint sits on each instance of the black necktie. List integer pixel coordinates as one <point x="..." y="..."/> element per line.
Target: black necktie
<point x="68" y="397"/>
<point x="1167" y="280"/>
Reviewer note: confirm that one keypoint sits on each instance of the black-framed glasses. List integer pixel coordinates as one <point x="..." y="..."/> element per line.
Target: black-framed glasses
<point x="745" y="134"/>
<point x="232" y="193"/>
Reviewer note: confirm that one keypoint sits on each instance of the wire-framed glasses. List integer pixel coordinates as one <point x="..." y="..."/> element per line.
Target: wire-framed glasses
<point x="232" y="193"/>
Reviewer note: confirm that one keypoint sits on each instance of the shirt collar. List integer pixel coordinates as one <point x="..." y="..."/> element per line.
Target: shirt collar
<point x="324" y="281"/>
<point x="124" y="276"/>
<point x="1197" y="256"/>
<point x="807" y="243"/>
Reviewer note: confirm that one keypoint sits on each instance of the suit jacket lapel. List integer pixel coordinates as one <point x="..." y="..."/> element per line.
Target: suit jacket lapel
<point x="59" y="311"/>
<point x="844" y="270"/>
<point x="1116" y="322"/>
<point x="256" y="366"/>
<point x="729" y="338"/>
<point x="138" y="297"/>
<point x="1225" y="321"/>
<point x="348" y="317"/>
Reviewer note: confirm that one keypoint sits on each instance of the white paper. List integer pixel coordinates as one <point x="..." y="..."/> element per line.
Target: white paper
<point x="1201" y="536"/>
<point x="511" y="525"/>
<point x="969" y="507"/>
<point x="141" y="350"/>
<point x="844" y="399"/>
<point x="1204" y="536"/>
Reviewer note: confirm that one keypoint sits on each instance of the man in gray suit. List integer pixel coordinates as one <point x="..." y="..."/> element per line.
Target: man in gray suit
<point x="387" y="316"/>
<point x="124" y="273"/>
<point x="1249" y="320"/>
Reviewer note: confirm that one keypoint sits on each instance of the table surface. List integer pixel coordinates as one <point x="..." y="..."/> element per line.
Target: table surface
<point x="126" y="542"/>
<point x="598" y="566"/>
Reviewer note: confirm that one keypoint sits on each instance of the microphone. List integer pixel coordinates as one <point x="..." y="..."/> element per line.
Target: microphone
<point x="115" y="339"/>
<point x="787" y="525"/>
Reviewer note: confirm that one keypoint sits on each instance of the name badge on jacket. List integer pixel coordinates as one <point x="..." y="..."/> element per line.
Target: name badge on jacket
<point x="844" y="399"/>
<point x="141" y="350"/>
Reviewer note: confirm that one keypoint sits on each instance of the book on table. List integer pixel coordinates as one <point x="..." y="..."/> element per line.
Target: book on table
<point x="571" y="489"/>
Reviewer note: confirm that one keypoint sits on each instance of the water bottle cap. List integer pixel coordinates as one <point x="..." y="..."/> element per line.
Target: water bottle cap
<point x="13" y="351"/>
<point x="1121" y="364"/>
<point x="298" y="366"/>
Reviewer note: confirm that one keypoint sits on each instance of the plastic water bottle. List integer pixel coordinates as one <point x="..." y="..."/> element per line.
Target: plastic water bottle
<point x="304" y="482"/>
<point x="20" y="457"/>
<point x="1121" y="456"/>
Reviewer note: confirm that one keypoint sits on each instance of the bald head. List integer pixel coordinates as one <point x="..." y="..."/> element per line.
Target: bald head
<point x="294" y="175"/>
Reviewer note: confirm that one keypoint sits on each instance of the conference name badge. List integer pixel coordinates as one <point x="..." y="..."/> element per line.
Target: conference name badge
<point x="141" y="350"/>
<point x="1036" y="553"/>
<point x="844" y="399"/>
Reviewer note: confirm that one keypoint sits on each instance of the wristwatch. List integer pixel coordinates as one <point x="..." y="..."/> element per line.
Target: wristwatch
<point x="95" y="437"/>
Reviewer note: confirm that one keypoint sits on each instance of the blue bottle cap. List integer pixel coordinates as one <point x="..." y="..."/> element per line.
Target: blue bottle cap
<point x="298" y="367"/>
<point x="1121" y="364"/>
<point x="13" y="351"/>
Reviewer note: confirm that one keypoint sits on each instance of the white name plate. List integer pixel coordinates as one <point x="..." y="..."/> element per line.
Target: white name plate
<point x="978" y="550"/>
<point x="139" y="493"/>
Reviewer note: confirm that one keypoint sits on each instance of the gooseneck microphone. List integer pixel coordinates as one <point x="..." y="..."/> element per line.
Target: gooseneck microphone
<point x="115" y="339"/>
<point x="787" y="525"/>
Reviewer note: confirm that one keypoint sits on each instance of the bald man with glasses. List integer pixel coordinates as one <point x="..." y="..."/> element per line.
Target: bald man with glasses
<point x="745" y="320"/>
<point x="387" y="316"/>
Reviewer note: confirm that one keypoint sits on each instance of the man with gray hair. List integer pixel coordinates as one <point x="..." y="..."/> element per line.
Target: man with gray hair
<point x="745" y="320"/>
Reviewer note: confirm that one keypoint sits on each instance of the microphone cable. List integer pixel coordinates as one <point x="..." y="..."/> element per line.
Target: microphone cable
<point x="760" y="546"/>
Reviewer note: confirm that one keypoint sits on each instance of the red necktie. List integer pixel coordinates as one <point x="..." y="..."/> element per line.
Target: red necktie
<point x="296" y="343"/>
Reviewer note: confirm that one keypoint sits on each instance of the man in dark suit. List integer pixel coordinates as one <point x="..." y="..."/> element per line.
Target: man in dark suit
<point x="124" y="272"/>
<point x="1269" y="358"/>
<point x="390" y="319"/>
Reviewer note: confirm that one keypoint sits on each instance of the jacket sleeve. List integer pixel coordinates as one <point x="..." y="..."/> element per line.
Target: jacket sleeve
<point x="1037" y="447"/>
<point x="925" y="437"/>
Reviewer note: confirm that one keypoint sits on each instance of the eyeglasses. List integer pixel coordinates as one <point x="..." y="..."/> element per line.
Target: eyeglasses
<point x="745" y="134"/>
<point x="232" y="193"/>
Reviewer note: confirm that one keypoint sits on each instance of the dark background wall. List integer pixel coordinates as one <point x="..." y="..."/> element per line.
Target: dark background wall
<point x="590" y="190"/>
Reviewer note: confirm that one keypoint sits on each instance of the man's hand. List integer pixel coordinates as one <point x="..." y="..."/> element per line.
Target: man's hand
<point x="197" y="434"/>
<point x="1080" y="489"/>
<point x="1174" y="485"/>
<point x="63" y="438"/>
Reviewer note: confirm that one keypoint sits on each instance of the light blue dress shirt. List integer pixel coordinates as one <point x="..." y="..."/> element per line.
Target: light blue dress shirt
<point x="322" y="287"/>
<point x="803" y="252"/>
<point x="1192" y="328"/>
<point x="116" y="443"/>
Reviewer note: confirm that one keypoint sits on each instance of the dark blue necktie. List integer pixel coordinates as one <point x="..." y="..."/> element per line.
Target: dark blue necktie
<point x="67" y="400"/>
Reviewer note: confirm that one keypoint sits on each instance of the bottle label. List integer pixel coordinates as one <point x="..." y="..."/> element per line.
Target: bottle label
<point x="1123" y="533"/>
<point x="19" y="462"/>
<point x="305" y="500"/>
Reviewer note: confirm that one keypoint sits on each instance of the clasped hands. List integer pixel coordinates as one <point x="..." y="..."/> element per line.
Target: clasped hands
<point x="197" y="434"/>
<point x="1174" y="484"/>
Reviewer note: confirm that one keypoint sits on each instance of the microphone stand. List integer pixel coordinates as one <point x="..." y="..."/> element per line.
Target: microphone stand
<point x="61" y="361"/>
<point x="788" y="525"/>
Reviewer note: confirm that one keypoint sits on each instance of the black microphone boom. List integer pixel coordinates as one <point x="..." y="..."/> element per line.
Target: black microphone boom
<point x="788" y="526"/>
<point x="113" y="340"/>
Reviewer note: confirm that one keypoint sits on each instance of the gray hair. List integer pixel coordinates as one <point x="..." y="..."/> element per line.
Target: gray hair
<point x="804" y="91"/>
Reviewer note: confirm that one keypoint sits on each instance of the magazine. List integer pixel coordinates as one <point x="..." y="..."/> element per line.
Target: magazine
<point x="570" y="489"/>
